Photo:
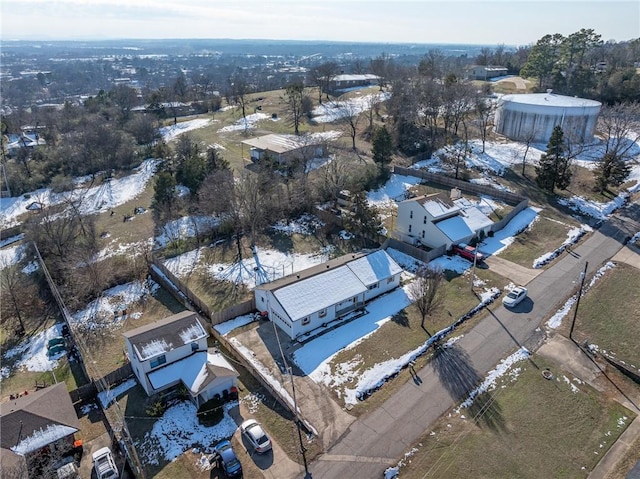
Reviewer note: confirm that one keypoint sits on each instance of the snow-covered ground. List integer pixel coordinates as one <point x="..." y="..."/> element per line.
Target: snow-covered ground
<point x="185" y="227"/>
<point x="32" y="353"/>
<point x="173" y="131"/>
<point x="93" y="199"/>
<point x="247" y="123"/>
<point x="106" y="311"/>
<point x="334" y="111"/>
<point x="263" y="266"/>
<point x="178" y="430"/>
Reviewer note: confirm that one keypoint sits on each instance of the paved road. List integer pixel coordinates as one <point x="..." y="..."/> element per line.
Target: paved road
<point x="380" y="438"/>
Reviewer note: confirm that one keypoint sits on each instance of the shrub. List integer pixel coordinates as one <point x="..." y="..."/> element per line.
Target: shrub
<point x="211" y="412"/>
<point x="156" y="409"/>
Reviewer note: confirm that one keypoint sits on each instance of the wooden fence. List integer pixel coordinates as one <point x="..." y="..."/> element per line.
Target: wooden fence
<point x="161" y="274"/>
<point x="276" y="393"/>
<point x="414" y="252"/>
<point x="471" y="188"/>
<point x="231" y="312"/>
<point x="89" y="391"/>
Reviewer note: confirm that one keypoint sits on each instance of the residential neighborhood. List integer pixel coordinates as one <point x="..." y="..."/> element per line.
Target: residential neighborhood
<point x="268" y="256"/>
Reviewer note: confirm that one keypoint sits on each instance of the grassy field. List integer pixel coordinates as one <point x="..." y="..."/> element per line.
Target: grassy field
<point x="545" y="235"/>
<point x="608" y="314"/>
<point x="530" y="427"/>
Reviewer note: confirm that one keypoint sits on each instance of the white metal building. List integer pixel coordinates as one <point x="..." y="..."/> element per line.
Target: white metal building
<point x="534" y="116"/>
<point x="328" y="292"/>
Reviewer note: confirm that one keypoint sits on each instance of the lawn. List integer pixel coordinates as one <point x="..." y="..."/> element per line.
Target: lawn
<point x="405" y="333"/>
<point x="608" y="314"/>
<point x="529" y="427"/>
<point x="546" y="234"/>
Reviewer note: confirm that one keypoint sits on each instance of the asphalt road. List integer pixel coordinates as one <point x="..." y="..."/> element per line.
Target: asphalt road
<point x="378" y="440"/>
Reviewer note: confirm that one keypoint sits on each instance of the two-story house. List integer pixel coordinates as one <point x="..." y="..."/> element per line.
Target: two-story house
<point x="174" y="351"/>
<point x="435" y="220"/>
<point x="327" y="293"/>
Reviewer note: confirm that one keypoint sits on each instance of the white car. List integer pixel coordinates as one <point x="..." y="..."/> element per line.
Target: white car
<point x="254" y="433"/>
<point x="104" y="464"/>
<point x="515" y="296"/>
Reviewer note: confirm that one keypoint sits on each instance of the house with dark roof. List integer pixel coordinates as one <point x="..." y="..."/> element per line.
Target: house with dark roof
<point x="174" y="351"/>
<point x="327" y="293"/>
<point x="440" y="219"/>
<point x="35" y="430"/>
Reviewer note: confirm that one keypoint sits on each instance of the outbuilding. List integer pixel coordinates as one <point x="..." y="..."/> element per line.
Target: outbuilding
<point x="532" y="117"/>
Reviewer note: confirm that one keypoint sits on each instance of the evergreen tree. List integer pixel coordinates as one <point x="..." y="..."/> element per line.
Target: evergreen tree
<point x="382" y="150"/>
<point x="363" y="219"/>
<point x="543" y="58"/>
<point x="612" y="170"/>
<point x="215" y="161"/>
<point x="165" y="190"/>
<point x="553" y="170"/>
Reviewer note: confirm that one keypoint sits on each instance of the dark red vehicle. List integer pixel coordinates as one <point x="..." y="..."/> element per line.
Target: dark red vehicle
<point x="467" y="252"/>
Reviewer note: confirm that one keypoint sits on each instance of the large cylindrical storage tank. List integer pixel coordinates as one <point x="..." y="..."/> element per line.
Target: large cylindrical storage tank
<point x="532" y="117"/>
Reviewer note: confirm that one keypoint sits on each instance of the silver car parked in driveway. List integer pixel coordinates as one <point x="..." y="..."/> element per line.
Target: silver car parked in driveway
<point x="254" y="433"/>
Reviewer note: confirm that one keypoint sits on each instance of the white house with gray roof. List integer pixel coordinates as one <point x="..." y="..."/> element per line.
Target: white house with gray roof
<point x="174" y="351"/>
<point x="328" y="292"/>
<point x="435" y="220"/>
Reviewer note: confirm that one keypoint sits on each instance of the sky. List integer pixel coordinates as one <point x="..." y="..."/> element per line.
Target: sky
<point x="510" y="22"/>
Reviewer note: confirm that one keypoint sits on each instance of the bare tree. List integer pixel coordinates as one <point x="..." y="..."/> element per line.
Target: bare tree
<point x="240" y="89"/>
<point x="14" y="291"/>
<point x="619" y="126"/>
<point x="321" y="77"/>
<point x="349" y="113"/>
<point x="483" y="116"/>
<point x="424" y="290"/>
<point x="294" y="96"/>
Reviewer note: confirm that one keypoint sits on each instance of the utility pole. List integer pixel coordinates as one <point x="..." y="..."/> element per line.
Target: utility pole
<point x="473" y="270"/>
<point x="295" y="407"/>
<point x="583" y="275"/>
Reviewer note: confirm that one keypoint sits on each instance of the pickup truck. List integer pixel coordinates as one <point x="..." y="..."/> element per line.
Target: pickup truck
<point x="467" y="252"/>
<point x="104" y="464"/>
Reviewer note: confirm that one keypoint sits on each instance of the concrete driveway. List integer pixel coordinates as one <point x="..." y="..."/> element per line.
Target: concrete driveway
<point x="516" y="273"/>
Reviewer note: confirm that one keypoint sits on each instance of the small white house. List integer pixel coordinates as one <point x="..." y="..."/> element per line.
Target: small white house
<point x="174" y="350"/>
<point x="486" y="72"/>
<point x="328" y="292"/>
<point x="435" y="220"/>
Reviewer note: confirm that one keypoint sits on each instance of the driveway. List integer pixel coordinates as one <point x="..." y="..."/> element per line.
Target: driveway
<point x="380" y="438"/>
<point x="516" y="273"/>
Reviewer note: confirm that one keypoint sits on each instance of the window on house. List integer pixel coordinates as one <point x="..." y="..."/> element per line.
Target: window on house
<point x="159" y="361"/>
<point x="409" y="228"/>
<point x="423" y="233"/>
<point x="194" y="346"/>
<point x="322" y="313"/>
<point x="424" y="220"/>
<point x="390" y="280"/>
<point x="262" y="299"/>
<point x="411" y="214"/>
<point x="306" y="320"/>
<point x="373" y="286"/>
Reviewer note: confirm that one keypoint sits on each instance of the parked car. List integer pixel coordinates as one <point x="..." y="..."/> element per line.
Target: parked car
<point x="65" y="330"/>
<point x="58" y="341"/>
<point x="228" y="459"/>
<point x="515" y="296"/>
<point x="104" y="464"/>
<point x="254" y="433"/>
<point x="467" y="252"/>
<point x="54" y="350"/>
